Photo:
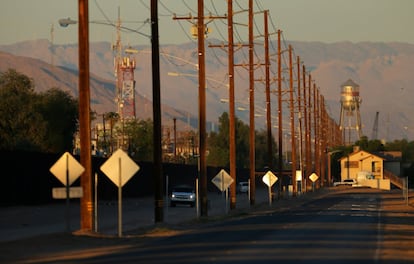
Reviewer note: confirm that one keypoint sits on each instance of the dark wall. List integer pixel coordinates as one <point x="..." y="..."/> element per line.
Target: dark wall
<point x="26" y="179"/>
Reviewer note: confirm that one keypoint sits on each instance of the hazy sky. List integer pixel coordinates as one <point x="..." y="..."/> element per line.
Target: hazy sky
<point x="304" y="20"/>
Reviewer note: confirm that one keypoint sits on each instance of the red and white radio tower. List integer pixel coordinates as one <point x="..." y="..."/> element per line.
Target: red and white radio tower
<point x="124" y="74"/>
<point x="126" y="85"/>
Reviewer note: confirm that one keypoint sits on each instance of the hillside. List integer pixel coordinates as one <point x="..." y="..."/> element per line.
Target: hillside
<point x="46" y="76"/>
<point x="383" y="71"/>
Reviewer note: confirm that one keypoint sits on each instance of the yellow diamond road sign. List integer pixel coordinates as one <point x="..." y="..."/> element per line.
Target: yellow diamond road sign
<point x="119" y="168"/>
<point x="222" y="180"/>
<point x="313" y="177"/>
<point x="67" y="164"/>
<point x="269" y="179"/>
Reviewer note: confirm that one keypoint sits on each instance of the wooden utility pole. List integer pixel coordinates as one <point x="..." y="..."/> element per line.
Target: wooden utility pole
<point x="232" y="114"/>
<point x="232" y="123"/>
<point x="202" y="109"/>
<point x="267" y="89"/>
<point x="309" y="134"/>
<point x="305" y="113"/>
<point x="86" y="206"/>
<point x="175" y="139"/>
<point x="300" y="122"/>
<point x="292" y="122"/>
<point x="315" y="129"/>
<point x="324" y="138"/>
<point x="156" y="99"/>
<point x="231" y="66"/>
<point x="310" y="105"/>
<point x="280" y="124"/>
<point x="201" y="31"/>
<point x="252" y="156"/>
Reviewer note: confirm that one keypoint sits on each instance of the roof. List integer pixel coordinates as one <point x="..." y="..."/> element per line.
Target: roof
<point x="350" y="82"/>
<point x="390" y="155"/>
<point x="361" y="152"/>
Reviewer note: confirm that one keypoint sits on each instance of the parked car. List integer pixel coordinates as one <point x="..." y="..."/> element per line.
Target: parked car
<point x="183" y="195"/>
<point x="242" y="187"/>
<point x="349" y="182"/>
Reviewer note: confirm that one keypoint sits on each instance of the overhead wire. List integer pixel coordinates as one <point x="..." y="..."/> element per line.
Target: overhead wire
<point x="186" y="5"/>
<point x="223" y="21"/>
<point x="218" y="24"/>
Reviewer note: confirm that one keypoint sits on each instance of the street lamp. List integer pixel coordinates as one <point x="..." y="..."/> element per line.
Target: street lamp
<point x="65" y="22"/>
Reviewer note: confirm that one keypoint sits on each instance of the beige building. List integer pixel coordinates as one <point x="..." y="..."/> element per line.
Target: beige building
<point x="366" y="168"/>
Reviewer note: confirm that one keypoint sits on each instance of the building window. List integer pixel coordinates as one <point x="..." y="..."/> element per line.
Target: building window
<point x="351" y="164"/>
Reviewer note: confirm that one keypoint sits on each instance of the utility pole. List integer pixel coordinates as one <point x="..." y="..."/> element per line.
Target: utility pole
<point x="267" y="92"/>
<point x="307" y="128"/>
<point x="305" y="113"/>
<point x="86" y="205"/>
<point x="156" y="99"/>
<point x="300" y="122"/>
<point x="202" y="108"/>
<point x="315" y="129"/>
<point x="175" y="139"/>
<point x="267" y="89"/>
<point x="117" y="47"/>
<point x="279" y="93"/>
<point x="292" y="122"/>
<point x="201" y="31"/>
<point x="324" y="138"/>
<point x="308" y="134"/>
<point x="232" y="129"/>
<point x="232" y="123"/>
<point x="252" y="156"/>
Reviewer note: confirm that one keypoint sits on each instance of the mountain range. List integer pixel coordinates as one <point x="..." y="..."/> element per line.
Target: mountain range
<point x="383" y="72"/>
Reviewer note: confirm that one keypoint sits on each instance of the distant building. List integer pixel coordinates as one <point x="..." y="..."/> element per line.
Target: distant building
<point x="377" y="170"/>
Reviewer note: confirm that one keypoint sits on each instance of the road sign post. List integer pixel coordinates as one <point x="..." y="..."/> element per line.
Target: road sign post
<point x="269" y="179"/>
<point x="66" y="169"/>
<point x="222" y="181"/>
<point x="119" y="168"/>
<point x="313" y="177"/>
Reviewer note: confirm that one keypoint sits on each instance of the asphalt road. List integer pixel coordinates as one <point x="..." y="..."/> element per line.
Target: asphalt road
<point x="20" y="222"/>
<point x="342" y="226"/>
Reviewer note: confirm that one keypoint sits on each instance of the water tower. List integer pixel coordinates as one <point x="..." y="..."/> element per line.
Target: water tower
<point x="350" y="119"/>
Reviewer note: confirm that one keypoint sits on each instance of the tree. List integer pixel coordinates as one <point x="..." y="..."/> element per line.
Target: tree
<point x="400" y="145"/>
<point x="21" y="126"/>
<point x="261" y="152"/>
<point x="242" y="145"/>
<point x="369" y="145"/>
<point x="60" y="111"/>
<point x="218" y="144"/>
<point x="35" y="122"/>
<point x="140" y="141"/>
<point x="113" y="118"/>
